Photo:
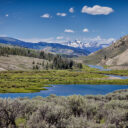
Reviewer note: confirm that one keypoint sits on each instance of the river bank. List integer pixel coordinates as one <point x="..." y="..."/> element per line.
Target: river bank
<point x="35" y="81"/>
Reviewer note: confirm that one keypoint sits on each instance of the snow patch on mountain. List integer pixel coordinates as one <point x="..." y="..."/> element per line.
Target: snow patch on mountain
<point x="92" y="44"/>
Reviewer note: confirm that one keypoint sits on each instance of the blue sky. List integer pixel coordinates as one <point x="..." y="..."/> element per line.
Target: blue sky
<point x="60" y="20"/>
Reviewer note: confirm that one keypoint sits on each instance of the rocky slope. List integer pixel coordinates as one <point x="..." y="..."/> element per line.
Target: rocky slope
<point x="121" y="59"/>
<point x="116" y="54"/>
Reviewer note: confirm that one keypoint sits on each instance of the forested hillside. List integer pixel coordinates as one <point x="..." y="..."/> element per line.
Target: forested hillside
<point x="53" y="61"/>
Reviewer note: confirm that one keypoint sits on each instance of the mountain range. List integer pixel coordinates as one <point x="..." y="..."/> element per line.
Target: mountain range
<point x="114" y="55"/>
<point x="47" y="47"/>
<point x="91" y="46"/>
<point x="70" y="48"/>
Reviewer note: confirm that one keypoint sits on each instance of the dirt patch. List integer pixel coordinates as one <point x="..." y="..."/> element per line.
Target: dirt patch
<point x="2" y="69"/>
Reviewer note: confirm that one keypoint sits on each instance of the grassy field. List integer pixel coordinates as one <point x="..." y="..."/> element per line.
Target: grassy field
<point x="34" y="81"/>
<point x="116" y="72"/>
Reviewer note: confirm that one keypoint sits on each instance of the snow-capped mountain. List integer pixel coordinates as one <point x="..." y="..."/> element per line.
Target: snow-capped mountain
<point x="47" y="47"/>
<point x="90" y="45"/>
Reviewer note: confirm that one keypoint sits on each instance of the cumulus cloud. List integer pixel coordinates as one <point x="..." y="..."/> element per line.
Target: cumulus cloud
<point x="85" y="30"/>
<point x="59" y="37"/>
<point x="45" y="15"/>
<point x="103" y="40"/>
<point x="69" y="30"/>
<point x="3" y="35"/>
<point x="71" y="10"/>
<point x="98" y="40"/>
<point x="61" y="14"/>
<point x="36" y="40"/>
<point x="97" y="10"/>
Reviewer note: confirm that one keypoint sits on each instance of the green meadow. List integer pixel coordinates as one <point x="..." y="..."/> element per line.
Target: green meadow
<point x="116" y="72"/>
<point x="35" y="81"/>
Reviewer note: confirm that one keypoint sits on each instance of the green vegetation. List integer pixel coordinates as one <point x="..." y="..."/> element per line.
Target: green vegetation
<point x="109" y="72"/>
<point x="115" y="72"/>
<point x="34" y="81"/>
<point x="109" y="111"/>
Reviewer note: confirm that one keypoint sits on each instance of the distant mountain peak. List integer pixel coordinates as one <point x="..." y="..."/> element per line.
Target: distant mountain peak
<point x="91" y="46"/>
<point x="48" y="47"/>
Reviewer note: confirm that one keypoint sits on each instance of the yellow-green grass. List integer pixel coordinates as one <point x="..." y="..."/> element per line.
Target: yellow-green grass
<point x="115" y="72"/>
<point x="35" y="81"/>
<point x="109" y="72"/>
<point x="20" y="122"/>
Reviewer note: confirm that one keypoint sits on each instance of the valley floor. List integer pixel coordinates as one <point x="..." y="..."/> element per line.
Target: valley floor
<point x="34" y="81"/>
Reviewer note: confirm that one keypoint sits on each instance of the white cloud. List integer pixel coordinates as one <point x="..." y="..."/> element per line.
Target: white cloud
<point x="3" y="35"/>
<point x="97" y="10"/>
<point x="36" y="40"/>
<point x="45" y="15"/>
<point x="59" y="37"/>
<point x="6" y="15"/>
<point x="71" y="10"/>
<point x="61" y="14"/>
<point x="103" y="40"/>
<point x="69" y="30"/>
<point x="85" y="30"/>
<point x="98" y="40"/>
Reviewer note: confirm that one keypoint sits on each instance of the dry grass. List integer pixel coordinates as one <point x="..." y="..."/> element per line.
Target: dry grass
<point x="18" y="62"/>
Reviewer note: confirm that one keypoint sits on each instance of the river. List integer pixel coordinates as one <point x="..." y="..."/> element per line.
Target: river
<point x="66" y="90"/>
<point x="104" y="69"/>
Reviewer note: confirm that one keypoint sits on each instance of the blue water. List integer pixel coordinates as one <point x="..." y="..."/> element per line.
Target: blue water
<point x="99" y="67"/>
<point x="103" y="69"/>
<point x="66" y="90"/>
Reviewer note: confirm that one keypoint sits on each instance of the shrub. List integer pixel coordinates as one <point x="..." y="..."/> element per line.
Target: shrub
<point x="108" y="111"/>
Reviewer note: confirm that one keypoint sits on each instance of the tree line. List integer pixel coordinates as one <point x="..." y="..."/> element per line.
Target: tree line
<point x="56" y="61"/>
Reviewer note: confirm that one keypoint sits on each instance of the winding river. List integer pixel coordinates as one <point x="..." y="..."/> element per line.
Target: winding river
<point x="103" y="69"/>
<point x="66" y="90"/>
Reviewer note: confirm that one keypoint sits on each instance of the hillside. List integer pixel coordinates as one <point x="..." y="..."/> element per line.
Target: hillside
<point x="113" y="53"/>
<point x="13" y="62"/>
<point x="18" y="58"/>
<point x="121" y="59"/>
<point x="48" y="47"/>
